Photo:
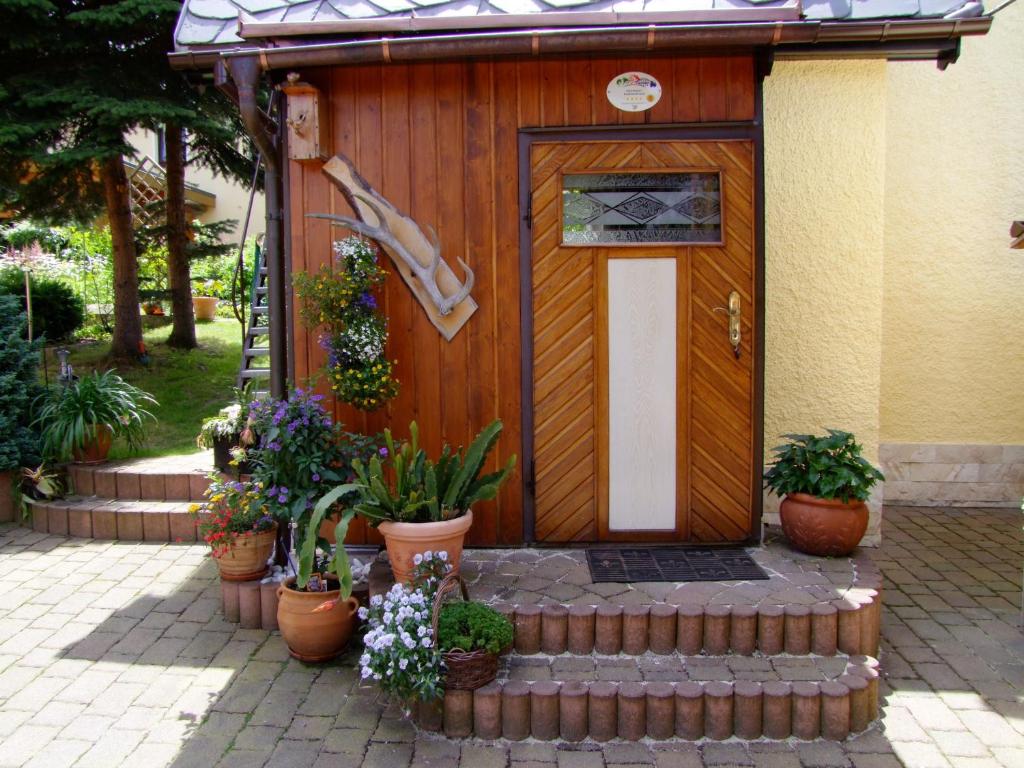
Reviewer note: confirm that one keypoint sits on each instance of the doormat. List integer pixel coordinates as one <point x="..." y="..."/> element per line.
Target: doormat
<point x="619" y="564"/>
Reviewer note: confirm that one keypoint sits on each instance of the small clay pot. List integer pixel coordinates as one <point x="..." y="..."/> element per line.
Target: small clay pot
<point x="406" y="540"/>
<point x="95" y="450"/>
<point x="245" y="558"/>
<point x="313" y="635"/>
<point x="823" y="527"/>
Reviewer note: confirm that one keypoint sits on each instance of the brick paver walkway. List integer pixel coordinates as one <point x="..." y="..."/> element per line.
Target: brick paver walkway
<point x="116" y="654"/>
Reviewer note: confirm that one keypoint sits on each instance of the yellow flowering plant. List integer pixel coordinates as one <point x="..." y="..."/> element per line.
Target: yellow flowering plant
<point x="339" y="297"/>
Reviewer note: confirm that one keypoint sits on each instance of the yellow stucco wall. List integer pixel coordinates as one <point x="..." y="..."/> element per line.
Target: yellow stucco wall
<point x="953" y="330"/>
<point x="824" y="197"/>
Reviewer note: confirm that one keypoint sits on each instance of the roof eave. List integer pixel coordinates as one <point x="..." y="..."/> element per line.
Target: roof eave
<point x="806" y="39"/>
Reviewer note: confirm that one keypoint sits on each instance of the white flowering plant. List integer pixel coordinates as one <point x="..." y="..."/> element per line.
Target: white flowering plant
<point x="400" y="650"/>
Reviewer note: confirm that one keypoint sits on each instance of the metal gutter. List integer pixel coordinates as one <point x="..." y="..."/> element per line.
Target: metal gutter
<point x="834" y="37"/>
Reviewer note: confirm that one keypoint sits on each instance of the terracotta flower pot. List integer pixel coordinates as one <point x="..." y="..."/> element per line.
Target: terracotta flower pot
<point x="95" y="450"/>
<point x="245" y="558"/>
<point x="314" y="635"/>
<point x="8" y="484"/>
<point x="823" y="527"/>
<point x="405" y="540"/>
<point x="205" y="307"/>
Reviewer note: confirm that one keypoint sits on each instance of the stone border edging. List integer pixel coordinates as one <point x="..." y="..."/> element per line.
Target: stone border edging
<point x="573" y="711"/>
<point x="250" y="604"/>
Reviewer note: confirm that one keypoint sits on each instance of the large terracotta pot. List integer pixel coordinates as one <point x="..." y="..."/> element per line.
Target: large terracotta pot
<point x="314" y="635"/>
<point x="246" y="557"/>
<point x="406" y="540"/>
<point x="205" y="307"/>
<point x="95" y="450"/>
<point x="823" y="527"/>
<point x="8" y="483"/>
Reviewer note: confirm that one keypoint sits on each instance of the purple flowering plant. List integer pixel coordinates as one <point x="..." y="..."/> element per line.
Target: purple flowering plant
<point x="300" y="454"/>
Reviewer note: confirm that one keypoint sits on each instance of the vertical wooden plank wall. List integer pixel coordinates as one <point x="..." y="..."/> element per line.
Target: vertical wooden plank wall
<point x="439" y="140"/>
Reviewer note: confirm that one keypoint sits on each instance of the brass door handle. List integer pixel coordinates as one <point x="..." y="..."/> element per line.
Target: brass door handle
<point x="733" y="311"/>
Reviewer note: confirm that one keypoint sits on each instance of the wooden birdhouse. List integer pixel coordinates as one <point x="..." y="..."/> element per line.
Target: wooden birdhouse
<point x="307" y="120"/>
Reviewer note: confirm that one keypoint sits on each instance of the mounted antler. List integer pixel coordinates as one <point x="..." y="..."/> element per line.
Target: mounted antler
<point x="418" y="259"/>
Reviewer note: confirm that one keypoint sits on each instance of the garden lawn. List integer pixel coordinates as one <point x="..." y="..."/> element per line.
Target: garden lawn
<point x="189" y="386"/>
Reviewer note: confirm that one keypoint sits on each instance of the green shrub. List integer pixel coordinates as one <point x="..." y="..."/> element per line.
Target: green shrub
<point x="471" y="626"/>
<point x="19" y="374"/>
<point x="57" y="311"/>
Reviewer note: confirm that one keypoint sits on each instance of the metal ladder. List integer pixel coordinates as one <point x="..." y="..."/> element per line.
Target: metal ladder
<point x="256" y="346"/>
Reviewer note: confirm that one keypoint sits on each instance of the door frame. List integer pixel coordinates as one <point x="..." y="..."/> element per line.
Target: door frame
<point x="752" y="131"/>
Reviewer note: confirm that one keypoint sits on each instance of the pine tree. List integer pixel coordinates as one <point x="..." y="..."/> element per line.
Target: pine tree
<point x="19" y="384"/>
<point x="76" y="76"/>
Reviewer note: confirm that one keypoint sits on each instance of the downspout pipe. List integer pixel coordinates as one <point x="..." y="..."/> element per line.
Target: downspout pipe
<point x="246" y="72"/>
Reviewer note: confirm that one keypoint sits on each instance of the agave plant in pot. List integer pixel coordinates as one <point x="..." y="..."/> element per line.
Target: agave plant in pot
<point x="826" y="482"/>
<point x="420" y="505"/>
<point x="80" y="420"/>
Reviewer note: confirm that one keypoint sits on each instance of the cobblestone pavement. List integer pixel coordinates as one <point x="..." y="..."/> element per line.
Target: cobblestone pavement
<point x="117" y="654"/>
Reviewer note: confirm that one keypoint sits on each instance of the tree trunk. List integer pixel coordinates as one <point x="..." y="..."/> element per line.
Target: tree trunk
<point x="127" y="321"/>
<point x="183" y="332"/>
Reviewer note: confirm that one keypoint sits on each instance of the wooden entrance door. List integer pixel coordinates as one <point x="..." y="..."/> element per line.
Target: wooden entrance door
<point x="643" y="407"/>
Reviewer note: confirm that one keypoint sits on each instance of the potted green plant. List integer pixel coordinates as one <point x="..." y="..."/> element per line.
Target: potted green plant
<point x="204" y="299"/>
<point x="470" y="637"/>
<point x="224" y="431"/>
<point x="235" y="522"/>
<point x="315" y="608"/>
<point x="826" y="483"/>
<point x="80" y="420"/>
<point x="420" y="505"/>
<point x="19" y="442"/>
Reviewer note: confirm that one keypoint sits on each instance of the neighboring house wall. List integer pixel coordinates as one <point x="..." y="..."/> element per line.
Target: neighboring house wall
<point x="824" y="200"/>
<point x="893" y="302"/>
<point x="952" y="411"/>
<point x="232" y="197"/>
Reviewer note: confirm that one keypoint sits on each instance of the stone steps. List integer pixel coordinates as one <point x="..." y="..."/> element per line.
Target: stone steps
<point x="92" y="517"/>
<point x="179" y="478"/>
<point x="832" y="708"/>
<point x="793" y="658"/>
<point x="136" y="500"/>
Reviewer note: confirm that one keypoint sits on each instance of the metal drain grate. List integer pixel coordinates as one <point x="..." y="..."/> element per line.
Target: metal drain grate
<point x="618" y="564"/>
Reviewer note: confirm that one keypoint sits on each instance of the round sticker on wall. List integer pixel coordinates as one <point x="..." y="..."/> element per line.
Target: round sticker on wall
<point x="633" y="91"/>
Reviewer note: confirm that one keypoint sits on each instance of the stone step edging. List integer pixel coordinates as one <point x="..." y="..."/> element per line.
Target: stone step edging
<point x="109" y="519"/>
<point x="602" y="711"/>
<point x="848" y="625"/>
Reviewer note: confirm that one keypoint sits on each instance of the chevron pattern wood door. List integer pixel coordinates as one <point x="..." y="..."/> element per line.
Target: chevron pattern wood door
<point x="715" y="388"/>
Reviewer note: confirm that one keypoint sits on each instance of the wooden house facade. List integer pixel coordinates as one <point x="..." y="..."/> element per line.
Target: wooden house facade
<point x="617" y="255"/>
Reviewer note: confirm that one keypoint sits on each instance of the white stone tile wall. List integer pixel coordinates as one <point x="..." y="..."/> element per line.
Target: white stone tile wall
<point x="952" y="475"/>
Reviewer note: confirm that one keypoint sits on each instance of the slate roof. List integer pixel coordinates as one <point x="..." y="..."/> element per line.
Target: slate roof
<point x="212" y="23"/>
